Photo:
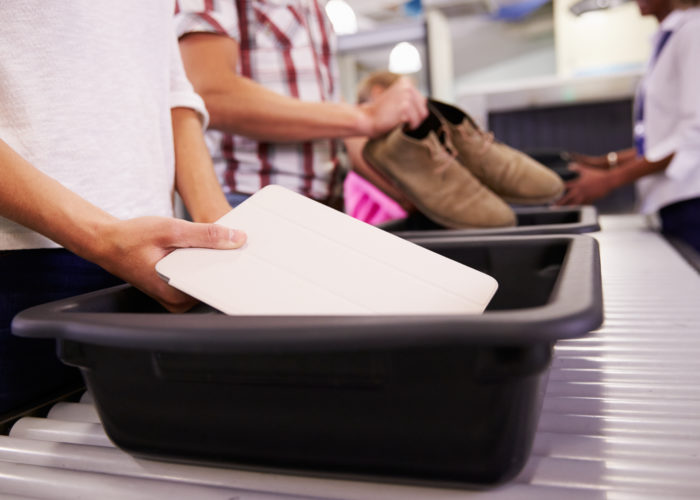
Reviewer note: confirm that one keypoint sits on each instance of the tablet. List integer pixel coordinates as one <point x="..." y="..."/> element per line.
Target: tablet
<point x="304" y="258"/>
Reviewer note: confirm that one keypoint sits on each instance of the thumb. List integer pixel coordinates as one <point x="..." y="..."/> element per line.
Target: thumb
<point x="211" y="236"/>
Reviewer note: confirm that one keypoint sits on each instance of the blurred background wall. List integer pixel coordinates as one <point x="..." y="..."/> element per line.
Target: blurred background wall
<point x="543" y="75"/>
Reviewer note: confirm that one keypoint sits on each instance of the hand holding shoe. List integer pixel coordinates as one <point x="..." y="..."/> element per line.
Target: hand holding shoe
<point x="401" y="103"/>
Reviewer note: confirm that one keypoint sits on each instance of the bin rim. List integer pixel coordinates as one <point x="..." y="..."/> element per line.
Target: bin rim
<point x="574" y="309"/>
<point x="588" y="223"/>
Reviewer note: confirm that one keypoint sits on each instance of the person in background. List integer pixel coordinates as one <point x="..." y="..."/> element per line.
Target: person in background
<point x="267" y="73"/>
<point x="665" y="163"/>
<point x="368" y="195"/>
<point x="98" y="128"/>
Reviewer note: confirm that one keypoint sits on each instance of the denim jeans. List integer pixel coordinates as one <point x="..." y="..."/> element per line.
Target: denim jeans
<point x="682" y="220"/>
<point x="29" y="368"/>
<point x="235" y="199"/>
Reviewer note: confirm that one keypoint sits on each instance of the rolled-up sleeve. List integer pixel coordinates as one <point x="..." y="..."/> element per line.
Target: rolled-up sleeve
<point x="182" y="94"/>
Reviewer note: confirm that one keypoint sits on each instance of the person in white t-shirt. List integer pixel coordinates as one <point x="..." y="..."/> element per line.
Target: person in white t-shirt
<point x="665" y="162"/>
<point x="98" y="128"/>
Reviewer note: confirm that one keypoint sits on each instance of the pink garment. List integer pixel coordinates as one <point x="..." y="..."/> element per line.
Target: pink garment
<point x="367" y="203"/>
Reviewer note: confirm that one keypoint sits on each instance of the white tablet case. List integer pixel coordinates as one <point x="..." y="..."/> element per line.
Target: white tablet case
<point x="304" y="258"/>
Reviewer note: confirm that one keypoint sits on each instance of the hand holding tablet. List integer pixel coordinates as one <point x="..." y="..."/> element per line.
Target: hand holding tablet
<point x="304" y="258"/>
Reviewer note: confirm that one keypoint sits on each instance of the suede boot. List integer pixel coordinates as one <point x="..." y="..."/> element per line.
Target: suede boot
<point x="419" y="164"/>
<point x="509" y="173"/>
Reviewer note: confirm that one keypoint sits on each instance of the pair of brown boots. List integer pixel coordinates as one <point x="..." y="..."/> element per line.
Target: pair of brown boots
<point x="457" y="175"/>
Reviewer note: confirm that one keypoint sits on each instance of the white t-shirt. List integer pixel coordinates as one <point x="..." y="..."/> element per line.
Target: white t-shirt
<point x="86" y="89"/>
<point x="672" y="113"/>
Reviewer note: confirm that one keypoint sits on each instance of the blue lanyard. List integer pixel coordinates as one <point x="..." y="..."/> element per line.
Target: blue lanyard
<point x="639" y="102"/>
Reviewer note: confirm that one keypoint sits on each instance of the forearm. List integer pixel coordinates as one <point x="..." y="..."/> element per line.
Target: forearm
<point x="126" y="248"/>
<point x="626" y="155"/>
<point x="636" y="168"/>
<point x="195" y="179"/>
<point x="592" y="184"/>
<point x="39" y="202"/>
<point x="606" y="161"/>
<point x="243" y="107"/>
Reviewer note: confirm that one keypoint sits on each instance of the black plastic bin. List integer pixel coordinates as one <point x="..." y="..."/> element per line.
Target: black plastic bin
<point x="453" y="398"/>
<point x="530" y="220"/>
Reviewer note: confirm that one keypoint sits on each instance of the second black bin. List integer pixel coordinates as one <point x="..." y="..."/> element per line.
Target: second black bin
<point x="443" y="398"/>
<point x="530" y="220"/>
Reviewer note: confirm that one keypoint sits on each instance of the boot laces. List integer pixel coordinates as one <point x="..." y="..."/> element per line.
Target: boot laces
<point x="445" y="153"/>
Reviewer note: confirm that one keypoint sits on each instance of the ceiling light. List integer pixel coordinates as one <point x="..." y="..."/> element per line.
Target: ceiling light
<point x="342" y="17"/>
<point x="404" y="58"/>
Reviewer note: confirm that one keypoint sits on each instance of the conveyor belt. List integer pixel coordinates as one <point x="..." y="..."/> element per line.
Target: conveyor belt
<point x="621" y="418"/>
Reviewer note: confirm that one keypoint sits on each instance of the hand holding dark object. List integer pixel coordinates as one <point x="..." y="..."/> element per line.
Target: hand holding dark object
<point x="590" y="185"/>
<point x="555" y="160"/>
<point x="565" y="173"/>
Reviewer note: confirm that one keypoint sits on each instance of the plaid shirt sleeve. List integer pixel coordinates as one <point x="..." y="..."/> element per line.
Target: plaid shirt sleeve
<point x="206" y="16"/>
<point x="288" y="47"/>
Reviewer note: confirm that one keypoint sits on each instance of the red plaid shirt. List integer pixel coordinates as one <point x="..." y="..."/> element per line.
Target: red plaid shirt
<point x="288" y="46"/>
